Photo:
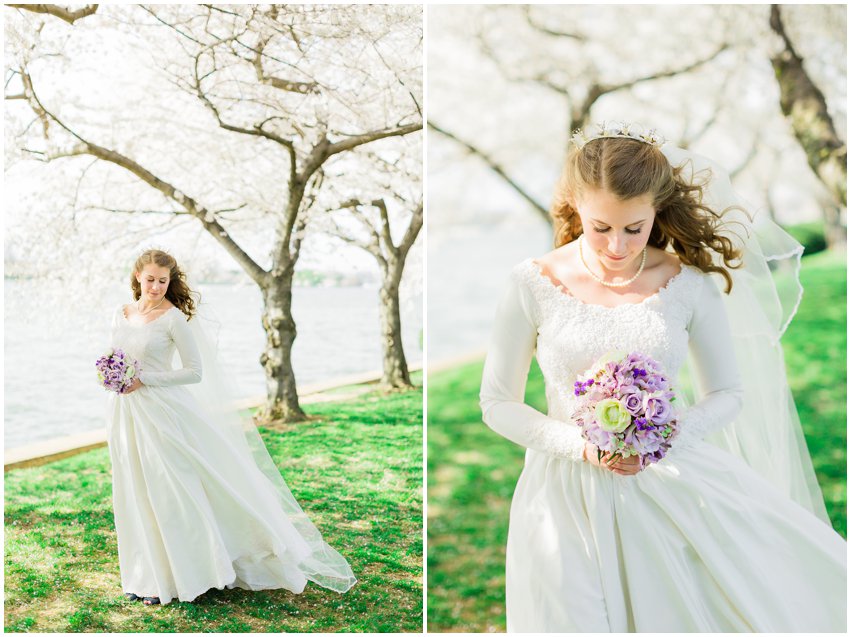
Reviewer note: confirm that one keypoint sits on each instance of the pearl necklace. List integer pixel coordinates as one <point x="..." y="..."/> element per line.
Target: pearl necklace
<point x="141" y="313"/>
<point x="622" y="284"/>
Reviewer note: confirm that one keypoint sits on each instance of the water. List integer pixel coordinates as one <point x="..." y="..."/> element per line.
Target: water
<point x="50" y="384"/>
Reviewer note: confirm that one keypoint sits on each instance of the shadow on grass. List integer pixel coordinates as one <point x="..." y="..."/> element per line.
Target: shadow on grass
<point x="356" y="468"/>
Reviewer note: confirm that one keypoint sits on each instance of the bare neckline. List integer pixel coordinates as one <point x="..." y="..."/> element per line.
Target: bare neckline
<point x="127" y="320"/>
<point x="561" y="290"/>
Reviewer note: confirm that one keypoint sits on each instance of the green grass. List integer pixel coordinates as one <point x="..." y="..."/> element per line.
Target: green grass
<point x="356" y="468"/>
<point x="815" y="348"/>
<point x="472" y="471"/>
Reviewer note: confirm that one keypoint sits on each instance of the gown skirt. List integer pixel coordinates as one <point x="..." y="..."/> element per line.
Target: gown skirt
<point x="189" y="514"/>
<point x="698" y="543"/>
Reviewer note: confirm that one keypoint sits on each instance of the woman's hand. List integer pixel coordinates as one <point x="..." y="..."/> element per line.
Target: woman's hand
<point x="612" y="462"/>
<point x="136" y="384"/>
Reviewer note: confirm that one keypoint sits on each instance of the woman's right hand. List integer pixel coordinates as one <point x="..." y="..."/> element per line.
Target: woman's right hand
<point x="136" y="384"/>
<point x="624" y="466"/>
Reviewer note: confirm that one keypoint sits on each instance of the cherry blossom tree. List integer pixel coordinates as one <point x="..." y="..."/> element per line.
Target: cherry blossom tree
<point x="234" y="119"/>
<point x="385" y="222"/>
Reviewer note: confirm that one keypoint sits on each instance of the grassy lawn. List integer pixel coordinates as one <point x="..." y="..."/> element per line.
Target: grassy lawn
<point x="816" y="355"/>
<point x="472" y="471"/>
<point x="356" y="468"/>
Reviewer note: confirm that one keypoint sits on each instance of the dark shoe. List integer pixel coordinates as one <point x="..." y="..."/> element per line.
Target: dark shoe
<point x="132" y="597"/>
<point x="150" y="601"/>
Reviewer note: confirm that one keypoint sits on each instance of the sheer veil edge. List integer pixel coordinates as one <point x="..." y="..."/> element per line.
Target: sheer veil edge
<point x="766" y="294"/>
<point x="324" y="566"/>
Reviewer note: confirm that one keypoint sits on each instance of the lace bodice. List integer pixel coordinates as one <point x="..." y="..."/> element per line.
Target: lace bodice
<point x="573" y="334"/>
<point x="153" y="344"/>
<point x="568" y="335"/>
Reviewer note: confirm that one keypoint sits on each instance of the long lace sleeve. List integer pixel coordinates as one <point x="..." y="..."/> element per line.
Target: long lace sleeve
<point x="116" y="317"/>
<point x="504" y="382"/>
<point x="190" y="357"/>
<point x="718" y="382"/>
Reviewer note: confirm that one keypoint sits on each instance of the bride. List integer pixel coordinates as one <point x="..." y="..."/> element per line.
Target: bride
<point x="728" y="532"/>
<point x="198" y="501"/>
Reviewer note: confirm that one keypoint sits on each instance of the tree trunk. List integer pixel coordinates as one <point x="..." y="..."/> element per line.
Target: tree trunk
<point x="804" y="105"/>
<point x="395" y="372"/>
<point x="835" y="232"/>
<point x="279" y="325"/>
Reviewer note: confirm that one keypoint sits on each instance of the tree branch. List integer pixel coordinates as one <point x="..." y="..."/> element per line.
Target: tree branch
<point x="131" y="211"/>
<point x="170" y="26"/>
<point x="582" y="115"/>
<point x="257" y="131"/>
<point x="296" y="229"/>
<point x="397" y="253"/>
<point x="191" y="206"/>
<point x="386" y="237"/>
<point x="291" y="86"/>
<point x="364" y="138"/>
<point x="491" y="163"/>
<point x="59" y="12"/>
<point x="413" y="97"/>
<point x="375" y="241"/>
<point x="34" y="103"/>
<point x="299" y="230"/>
<point x="527" y="10"/>
<point x="747" y="159"/>
<point x="411" y="233"/>
<point x="371" y="247"/>
<point x="662" y="74"/>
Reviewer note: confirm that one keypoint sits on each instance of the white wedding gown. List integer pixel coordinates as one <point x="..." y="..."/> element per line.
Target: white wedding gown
<point x="696" y="543"/>
<point x="192" y="512"/>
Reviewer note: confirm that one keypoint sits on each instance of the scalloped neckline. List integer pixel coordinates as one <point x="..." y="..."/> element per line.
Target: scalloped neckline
<point x="127" y="320"/>
<point x="563" y="292"/>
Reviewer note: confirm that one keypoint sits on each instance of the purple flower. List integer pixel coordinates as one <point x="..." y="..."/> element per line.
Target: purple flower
<point x="601" y="439"/>
<point x="652" y="383"/>
<point x="657" y="409"/>
<point x="633" y="403"/>
<point x="644" y="441"/>
<point x="624" y="378"/>
<point x="626" y="390"/>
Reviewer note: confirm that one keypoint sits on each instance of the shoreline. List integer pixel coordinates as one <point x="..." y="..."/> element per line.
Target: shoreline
<point x="45" y="451"/>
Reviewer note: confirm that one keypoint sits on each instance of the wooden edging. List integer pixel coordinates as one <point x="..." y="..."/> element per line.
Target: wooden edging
<point x="40" y="453"/>
<point x="54" y="449"/>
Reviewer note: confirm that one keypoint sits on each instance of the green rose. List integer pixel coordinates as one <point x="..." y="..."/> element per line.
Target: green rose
<point x="131" y="371"/>
<point x="612" y="416"/>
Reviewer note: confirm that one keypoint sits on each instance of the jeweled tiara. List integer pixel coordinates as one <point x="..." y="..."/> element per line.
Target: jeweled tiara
<point x="618" y="129"/>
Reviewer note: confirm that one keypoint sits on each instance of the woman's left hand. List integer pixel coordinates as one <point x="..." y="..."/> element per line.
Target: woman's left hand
<point x="136" y="384"/>
<point x="622" y="466"/>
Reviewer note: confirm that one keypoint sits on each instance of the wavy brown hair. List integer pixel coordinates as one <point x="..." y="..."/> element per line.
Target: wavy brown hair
<point x="178" y="290"/>
<point x="630" y="168"/>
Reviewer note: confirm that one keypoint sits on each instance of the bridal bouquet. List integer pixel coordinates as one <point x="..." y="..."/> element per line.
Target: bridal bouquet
<point x="116" y="370"/>
<point x="625" y="407"/>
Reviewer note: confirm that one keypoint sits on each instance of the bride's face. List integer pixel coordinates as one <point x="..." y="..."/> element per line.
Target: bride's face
<point x="616" y="230"/>
<point x="154" y="280"/>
